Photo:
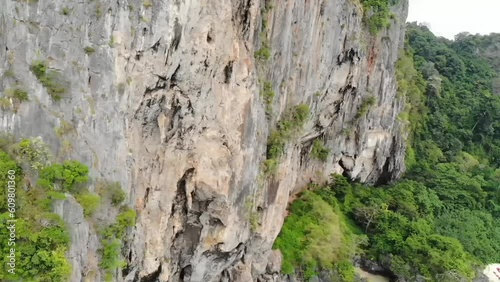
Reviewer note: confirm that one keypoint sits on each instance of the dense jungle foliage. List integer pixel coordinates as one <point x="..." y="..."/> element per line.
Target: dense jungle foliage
<point x="441" y="221"/>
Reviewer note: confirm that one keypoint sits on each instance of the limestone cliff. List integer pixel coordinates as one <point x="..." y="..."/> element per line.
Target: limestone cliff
<point x="163" y="96"/>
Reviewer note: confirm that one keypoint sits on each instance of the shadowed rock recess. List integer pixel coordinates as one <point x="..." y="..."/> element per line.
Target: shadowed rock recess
<point x="165" y="98"/>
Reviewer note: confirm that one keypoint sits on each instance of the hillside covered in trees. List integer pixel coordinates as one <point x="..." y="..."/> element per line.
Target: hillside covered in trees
<point x="441" y="221"/>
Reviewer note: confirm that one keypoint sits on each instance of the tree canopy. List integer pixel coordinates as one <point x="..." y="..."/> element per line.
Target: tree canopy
<point x="441" y="221"/>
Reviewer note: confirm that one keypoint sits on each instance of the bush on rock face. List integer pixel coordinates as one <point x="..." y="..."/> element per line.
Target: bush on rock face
<point x="50" y="79"/>
<point x="64" y="177"/>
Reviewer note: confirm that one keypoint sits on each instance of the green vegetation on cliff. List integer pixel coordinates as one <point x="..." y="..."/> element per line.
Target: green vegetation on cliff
<point x="50" y="79"/>
<point x="441" y="221"/>
<point x="42" y="238"/>
<point x="377" y="14"/>
<point x="112" y="238"/>
<point x="293" y="120"/>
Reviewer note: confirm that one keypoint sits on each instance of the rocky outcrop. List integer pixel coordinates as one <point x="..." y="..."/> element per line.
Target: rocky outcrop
<point x="165" y="100"/>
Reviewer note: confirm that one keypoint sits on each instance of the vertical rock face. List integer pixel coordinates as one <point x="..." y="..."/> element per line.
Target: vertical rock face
<point x="165" y="99"/>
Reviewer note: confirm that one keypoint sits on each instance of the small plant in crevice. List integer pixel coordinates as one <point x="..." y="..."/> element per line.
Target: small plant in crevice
<point x="92" y="104"/>
<point x="145" y="19"/>
<point x="90" y="202"/>
<point x="111" y="42"/>
<point x="254" y="220"/>
<point x="270" y="166"/>
<point x="268" y="95"/>
<point x="268" y="5"/>
<point x="147" y="4"/>
<point x="290" y="124"/>
<point x="64" y="128"/>
<point x="11" y="57"/>
<point x="264" y="53"/>
<point x="98" y="10"/>
<point x="9" y="73"/>
<point x="319" y="151"/>
<point x="265" y="11"/>
<point x="365" y="107"/>
<point x="252" y="214"/>
<point x="50" y="79"/>
<point x="21" y="95"/>
<point x="39" y="68"/>
<point x="17" y="93"/>
<point x="111" y="191"/>
<point x="66" y="148"/>
<point x="346" y="131"/>
<point x="66" y="11"/>
<point x="89" y="50"/>
<point x="121" y="88"/>
<point x="5" y="103"/>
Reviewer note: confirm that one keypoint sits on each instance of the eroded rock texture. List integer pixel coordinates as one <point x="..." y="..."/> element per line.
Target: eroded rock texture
<point x="168" y="104"/>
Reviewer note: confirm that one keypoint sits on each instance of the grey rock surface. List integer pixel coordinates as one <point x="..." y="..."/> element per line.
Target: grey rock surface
<point x="168" y="104"/>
